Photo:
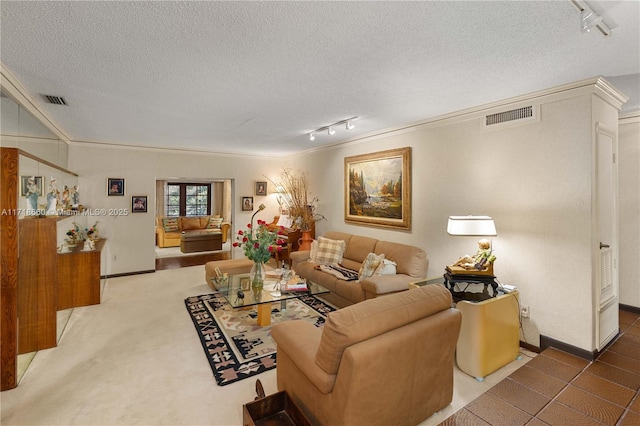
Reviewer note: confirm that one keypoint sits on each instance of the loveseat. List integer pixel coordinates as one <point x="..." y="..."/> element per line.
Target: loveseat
<point x="411" y="264"/>
<point x="385" y="361"/>
<point x="169" y="229"/>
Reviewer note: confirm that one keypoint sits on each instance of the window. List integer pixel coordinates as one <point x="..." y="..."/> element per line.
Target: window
<point x="188" y="199"/>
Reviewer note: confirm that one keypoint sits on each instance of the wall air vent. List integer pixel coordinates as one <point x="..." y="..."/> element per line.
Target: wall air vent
<point x="56" y="100"/>
<point x="512" y="117"/>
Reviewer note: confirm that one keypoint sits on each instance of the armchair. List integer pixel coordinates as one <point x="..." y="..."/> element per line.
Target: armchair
<point x="383" y="361"/>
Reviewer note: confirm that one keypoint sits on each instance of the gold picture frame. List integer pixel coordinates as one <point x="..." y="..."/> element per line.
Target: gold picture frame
<point x="378" y="189"/>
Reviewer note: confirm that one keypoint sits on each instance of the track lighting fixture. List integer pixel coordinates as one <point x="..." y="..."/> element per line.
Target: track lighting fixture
<point x="590" y="19"/>
<point x="348" y="124"/>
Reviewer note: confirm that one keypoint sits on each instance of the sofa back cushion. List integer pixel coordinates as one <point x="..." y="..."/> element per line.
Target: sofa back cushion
<point x="359" y="247"/>
<point x="188" y="223"/>
<point x="374" y="317"/>
<point x="410" y="260"/>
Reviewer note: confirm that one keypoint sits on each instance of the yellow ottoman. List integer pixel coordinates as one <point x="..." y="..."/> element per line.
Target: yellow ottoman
<point x="230" y="266"/>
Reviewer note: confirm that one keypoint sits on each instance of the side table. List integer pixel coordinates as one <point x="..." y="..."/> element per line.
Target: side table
<point x="450" y="281"/>
<point x="489" y="334"/>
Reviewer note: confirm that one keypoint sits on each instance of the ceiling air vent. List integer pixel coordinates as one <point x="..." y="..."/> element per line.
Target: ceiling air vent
<point x="512" y="117"/>
<point x="56" y="100"/>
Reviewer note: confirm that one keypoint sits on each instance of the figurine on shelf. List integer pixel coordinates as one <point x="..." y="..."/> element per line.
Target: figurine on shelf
<point x="483" y="257"/>
<point x="75" y="197"/>
<point x="65" y="197"/>
<point x="32" y="193"/>
<point x="52" y="197"/>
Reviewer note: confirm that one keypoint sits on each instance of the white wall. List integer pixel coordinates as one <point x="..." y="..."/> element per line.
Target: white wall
<point x="536" y="182"/>
<point x="130" y="244"/>
<point x="629" y="208"/>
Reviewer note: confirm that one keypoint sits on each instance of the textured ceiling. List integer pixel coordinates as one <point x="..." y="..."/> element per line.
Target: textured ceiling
<point x="256" y="77"/>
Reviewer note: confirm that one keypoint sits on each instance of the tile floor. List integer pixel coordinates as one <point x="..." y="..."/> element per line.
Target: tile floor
<point x="556" y="388"/>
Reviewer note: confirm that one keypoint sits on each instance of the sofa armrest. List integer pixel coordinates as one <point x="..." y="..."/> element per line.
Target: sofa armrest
<point x="300" y="256"/>
<point x="224" y="228"/>
<point x="160" y="236"/>
<point x="299" y="340"/>
<point x="384" y="284"/>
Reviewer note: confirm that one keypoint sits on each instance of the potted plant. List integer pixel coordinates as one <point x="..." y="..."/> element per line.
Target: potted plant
<point x="300" y="204"/>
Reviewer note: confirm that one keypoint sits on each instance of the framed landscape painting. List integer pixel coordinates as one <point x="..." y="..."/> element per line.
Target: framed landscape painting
<point x="378" y="189"/>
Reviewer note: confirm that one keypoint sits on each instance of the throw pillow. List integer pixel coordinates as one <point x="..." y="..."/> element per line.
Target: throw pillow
<point x="329" y="251"/>
<point x="386" y="267"/>
<point x="314" y="249"/>
<point x="214" y="223"/>
<point x="370" y="264"/>
<point x="170" y="224"/>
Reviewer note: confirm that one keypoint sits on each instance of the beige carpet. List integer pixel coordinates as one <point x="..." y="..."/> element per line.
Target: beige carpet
<point x="136" y="360"/>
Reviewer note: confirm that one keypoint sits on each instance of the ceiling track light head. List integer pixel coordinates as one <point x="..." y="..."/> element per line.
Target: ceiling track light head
<point x="349" y="125"/>
<point x="330" y="131"/>
<point x="312" y="137"/>
<point x="589" y="20"/>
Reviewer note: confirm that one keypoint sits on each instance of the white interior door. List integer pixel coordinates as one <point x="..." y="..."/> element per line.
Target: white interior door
<point x="606" y="285"/>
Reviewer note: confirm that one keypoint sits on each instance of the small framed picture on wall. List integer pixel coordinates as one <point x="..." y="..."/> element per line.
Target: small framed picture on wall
<point x="139" y="204"/>
<point x="261" y="188"/>
<point x="115" y="186"/>
<point x="247" y="204"/>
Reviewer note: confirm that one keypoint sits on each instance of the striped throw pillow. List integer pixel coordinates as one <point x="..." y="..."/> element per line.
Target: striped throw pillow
<point x="214" y="223"/>
<point x="170" y="224"/>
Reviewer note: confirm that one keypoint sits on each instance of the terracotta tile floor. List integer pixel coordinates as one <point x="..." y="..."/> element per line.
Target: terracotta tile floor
<point x="557" y="388"/>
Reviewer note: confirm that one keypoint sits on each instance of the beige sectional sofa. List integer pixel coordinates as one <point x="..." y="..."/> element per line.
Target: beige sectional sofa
<point x="411" y="265"/>
<point x="169" y="229"/>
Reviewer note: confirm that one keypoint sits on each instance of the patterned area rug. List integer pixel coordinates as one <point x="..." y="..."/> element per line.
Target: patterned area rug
<point x="234" y="344"/>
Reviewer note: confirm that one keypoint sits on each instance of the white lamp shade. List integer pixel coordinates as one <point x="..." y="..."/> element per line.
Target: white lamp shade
<point x="475" y="226"/>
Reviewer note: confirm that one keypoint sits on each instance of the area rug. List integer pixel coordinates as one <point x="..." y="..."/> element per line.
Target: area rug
<point x="234" y="344"/>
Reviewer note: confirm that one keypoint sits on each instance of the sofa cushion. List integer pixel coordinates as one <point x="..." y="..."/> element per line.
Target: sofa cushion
<point x="410" y="260"/>
<point x="329" y="251"/>
<point x="214" y="223"/>
<point x="374" y="317"/>
<point x="170" y="224"/>
<point x="370" y="265"/>
<point x="359" y="247"/>
<point x="189" y="223"/>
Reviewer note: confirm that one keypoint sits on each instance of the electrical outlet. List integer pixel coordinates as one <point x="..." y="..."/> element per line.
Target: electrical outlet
<point x="524" y="311"/>
<point x="114" y="258"/>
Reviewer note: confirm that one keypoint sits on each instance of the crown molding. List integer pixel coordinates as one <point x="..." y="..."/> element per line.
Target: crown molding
<point x="594" y="85"/>
<point x="630" y="117"/>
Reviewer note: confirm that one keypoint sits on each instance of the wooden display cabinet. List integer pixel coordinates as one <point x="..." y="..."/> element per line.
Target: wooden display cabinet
<point x="78" y="282"/>
<point x="37" y="273"/>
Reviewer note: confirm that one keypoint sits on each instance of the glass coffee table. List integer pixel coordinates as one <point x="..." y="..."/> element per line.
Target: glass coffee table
<point x="237" y="290"/>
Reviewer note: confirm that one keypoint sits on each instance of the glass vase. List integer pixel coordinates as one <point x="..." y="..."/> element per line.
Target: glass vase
<point x="257" y="275"/>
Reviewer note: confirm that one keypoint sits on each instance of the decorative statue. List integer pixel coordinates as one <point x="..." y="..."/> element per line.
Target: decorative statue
<point x="75" y="196"/>
<point x="52" y="197"/>
<point x="32" y="195"/>
<point x="65" y="197"/>
<point x="483" y="257"/>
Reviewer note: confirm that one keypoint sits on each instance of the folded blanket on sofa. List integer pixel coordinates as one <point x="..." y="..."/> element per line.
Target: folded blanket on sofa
<point x="339" y="272"/>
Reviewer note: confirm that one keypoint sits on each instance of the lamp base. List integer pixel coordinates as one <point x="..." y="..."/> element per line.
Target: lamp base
<point x="459" y="270"/>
